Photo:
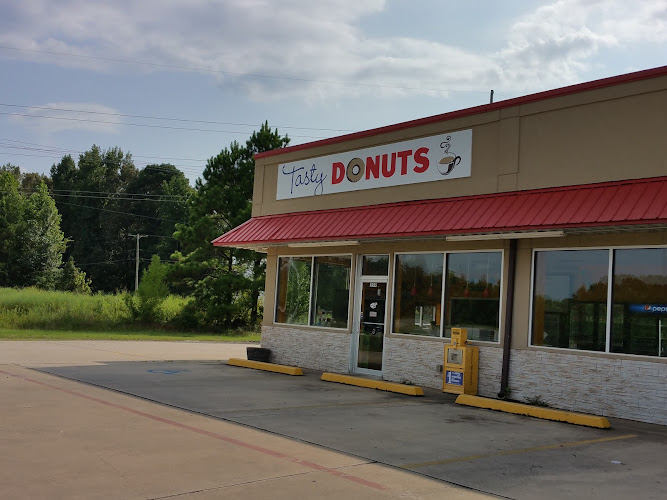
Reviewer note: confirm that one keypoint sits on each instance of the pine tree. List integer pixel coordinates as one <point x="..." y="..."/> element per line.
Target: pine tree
<point x="226" y="282"/>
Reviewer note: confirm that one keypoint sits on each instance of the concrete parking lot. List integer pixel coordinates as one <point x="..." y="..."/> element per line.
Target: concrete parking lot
<point x="153" y="420"/>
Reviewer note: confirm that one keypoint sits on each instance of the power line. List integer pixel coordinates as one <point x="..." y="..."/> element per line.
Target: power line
<point x="221" y="72"/>
<point x="165" y="118"/>
<point x="100" y="263"/>
<point x="56" y="148"/>
<point x="168" y="127"/>
<point x="122" y="193"/>
<point x="110" y="195"/>
<point x="123" y="213"/>
<point x="110" y="198"/>
<point x="56" y="155"/>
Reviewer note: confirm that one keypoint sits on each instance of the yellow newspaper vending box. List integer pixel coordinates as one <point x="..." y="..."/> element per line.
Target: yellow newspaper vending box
<point x="461" y="362"/>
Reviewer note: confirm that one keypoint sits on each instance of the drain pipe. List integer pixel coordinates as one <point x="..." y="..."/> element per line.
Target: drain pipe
<point x="509" y="309"/>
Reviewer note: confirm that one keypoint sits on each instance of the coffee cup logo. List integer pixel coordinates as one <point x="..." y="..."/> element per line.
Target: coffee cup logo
<point x="449" y="159"/>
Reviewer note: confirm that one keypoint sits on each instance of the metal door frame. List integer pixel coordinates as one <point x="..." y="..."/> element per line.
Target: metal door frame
<point x="356" y="318"/>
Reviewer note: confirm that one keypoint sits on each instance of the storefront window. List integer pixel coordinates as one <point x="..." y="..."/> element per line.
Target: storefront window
<point x="331" y="291"/>
<point x="472" y="296"/>
<point x="418" y="294"/>
<point x="375" y="265"/>
<point x="570" y="299"/>
<point x="293" y="290"/>
<point x="639" y="302"/>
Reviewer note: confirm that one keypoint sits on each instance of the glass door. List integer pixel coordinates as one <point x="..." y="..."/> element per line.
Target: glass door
<point x="371" y="308"/>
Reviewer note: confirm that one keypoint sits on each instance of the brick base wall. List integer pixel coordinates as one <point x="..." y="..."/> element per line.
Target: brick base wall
<point x="316" y="349"/>
<point x="416" y="361"/>
<point x="623" y="388"/>
<point x="630" y="389"/>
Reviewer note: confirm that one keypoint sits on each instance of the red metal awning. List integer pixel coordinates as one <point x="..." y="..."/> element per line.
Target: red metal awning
<point x="639" y="202"/>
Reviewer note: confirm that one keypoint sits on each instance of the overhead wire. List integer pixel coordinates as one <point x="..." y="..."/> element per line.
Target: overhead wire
<point x="234" y="73"/>
<point x="69" y="150"/>
<point x="110" y="194"/>
<point x="167" y="127"/>
<point x="123" y="213"/>
<point x="139" y="164"/>
<point x="164" y="118"/>
<point x="103" y="262"/>
<point x="112" y="198"/>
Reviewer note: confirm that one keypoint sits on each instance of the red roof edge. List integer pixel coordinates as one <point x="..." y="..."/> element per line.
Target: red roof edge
<point x="501" y="194"/>
<point x="279" y="221"/>
<point x="485" y="108"/>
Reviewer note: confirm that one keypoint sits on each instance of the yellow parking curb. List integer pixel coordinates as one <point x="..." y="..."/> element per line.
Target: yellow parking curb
<point x="269" y="367"/>
<point x="534" y="411"/>
<point x="410" y="390"/>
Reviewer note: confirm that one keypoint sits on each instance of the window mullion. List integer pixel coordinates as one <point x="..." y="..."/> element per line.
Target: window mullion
<point x="311" y="295"/>
<point x="443" y="300"/>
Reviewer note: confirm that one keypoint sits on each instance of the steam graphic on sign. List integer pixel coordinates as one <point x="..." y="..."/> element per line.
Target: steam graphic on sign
<point x="449" y="159"/>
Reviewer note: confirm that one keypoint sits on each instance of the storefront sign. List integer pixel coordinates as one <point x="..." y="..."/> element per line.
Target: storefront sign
<point x="445" y="156"/>
<point x="649" y="308"/>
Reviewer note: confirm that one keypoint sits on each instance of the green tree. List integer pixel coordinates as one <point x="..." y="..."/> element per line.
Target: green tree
<point x="161" y="193"/>
<point x="96" y="230"/>
<point x="105" y="198"/>
<point x="11" y="209"/>
<point x="31" y="242"/>
<point x="73" y="279"/>
<point x="13" y="170"/>
<point x="152" y="291"/>
<point x="226" y="282"/>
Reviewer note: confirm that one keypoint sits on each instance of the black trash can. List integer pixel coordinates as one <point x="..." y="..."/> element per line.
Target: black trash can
<point x="258" y="354"/>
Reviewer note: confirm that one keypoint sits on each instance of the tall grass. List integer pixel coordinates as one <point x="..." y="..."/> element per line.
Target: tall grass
<point x="30" y="308"/>
<point x="30" y="313"/>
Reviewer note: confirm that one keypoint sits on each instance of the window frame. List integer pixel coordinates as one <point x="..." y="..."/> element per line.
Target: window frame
<point x="610" y="281"/>
<point x="310" y="290"/>
<point x="444" y="253"/>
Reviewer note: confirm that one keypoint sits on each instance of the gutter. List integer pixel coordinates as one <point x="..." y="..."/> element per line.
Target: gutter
<point x="509" y="310"/>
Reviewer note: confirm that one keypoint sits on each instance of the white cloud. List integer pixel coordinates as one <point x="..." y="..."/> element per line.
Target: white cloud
<point x="64" y="116"/>
<point x="303" y="41"/>
<point x="556" y="42"/>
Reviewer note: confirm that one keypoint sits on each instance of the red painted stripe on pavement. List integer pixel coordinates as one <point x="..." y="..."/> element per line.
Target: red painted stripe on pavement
<point x="238" y="442"/>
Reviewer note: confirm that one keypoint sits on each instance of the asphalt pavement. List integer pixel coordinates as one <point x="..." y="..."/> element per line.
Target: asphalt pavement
<point x="473" y="451"/>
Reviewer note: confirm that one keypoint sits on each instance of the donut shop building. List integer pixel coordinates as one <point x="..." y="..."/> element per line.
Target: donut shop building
<point x="539" y="224"/>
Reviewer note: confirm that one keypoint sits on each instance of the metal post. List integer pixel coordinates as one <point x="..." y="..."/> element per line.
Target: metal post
<point x="491" y="98"/>
<point x="136" y="273"/>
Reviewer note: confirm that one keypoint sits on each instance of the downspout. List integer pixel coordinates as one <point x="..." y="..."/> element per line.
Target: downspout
<point x="509" y="309"/>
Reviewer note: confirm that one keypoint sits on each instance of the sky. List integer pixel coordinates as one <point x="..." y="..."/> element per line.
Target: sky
<point x="177" y="81"/>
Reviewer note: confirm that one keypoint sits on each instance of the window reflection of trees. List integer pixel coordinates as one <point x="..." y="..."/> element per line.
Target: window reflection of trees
<point x="331" y="291"/>
<point x="570" y="306"/>
<point x="293" y="290"/>
<point x="473" y="294"/>
<point x="418" y="294"/>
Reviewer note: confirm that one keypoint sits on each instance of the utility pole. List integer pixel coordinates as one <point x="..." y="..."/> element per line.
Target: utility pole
<point x="136" y="274"/>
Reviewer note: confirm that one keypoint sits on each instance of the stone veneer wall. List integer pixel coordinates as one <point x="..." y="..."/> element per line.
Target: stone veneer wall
<point x="609" y="386"/>
<point x="416" y="361"/>
<point x="316" y="349"/>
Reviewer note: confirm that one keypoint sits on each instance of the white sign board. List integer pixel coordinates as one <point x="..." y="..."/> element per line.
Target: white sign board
<point x="444" y="156"/>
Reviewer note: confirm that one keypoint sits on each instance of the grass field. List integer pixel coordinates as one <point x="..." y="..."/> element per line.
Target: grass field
<point x="32" y="314"/>
<point x="158" y="335"/>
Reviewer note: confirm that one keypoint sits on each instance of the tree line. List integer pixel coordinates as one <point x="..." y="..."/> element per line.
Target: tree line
<point x="76" y="228"/>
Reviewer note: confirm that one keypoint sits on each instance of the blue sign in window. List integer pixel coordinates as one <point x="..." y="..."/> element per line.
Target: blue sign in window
<point x="649" y="308"/>
<point x="454" y="378"/>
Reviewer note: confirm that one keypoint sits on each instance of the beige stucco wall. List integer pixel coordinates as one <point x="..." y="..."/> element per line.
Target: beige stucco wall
<point x="600" y="135"/>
